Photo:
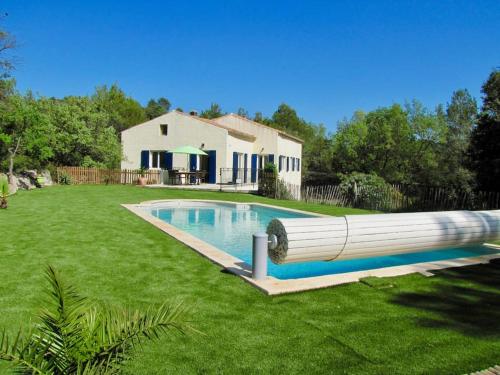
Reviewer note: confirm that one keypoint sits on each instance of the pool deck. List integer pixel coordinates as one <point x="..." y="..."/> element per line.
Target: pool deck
<point x="273" y="286"/>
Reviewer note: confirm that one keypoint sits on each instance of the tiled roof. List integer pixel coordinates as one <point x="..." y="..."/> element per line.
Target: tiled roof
<point x="231" y="130"/>
<point x="285" y="134"/>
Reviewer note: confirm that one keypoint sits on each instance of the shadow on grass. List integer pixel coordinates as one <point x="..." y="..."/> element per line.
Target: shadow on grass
<point x="466" y="299"/>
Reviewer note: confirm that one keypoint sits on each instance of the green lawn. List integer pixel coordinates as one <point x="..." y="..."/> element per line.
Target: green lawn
<point x="447" y="324"/>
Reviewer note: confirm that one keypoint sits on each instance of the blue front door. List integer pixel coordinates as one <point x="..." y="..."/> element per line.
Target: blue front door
<point x="212" y="166"/>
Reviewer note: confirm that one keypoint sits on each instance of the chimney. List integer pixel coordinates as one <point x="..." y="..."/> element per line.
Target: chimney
<point x="193" y="112"/>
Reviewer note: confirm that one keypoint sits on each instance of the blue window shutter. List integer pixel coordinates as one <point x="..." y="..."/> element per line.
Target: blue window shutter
<point x="212" y="166"/>
<point x="271" y="158"/>
<point x="169" y="160"/>
<point x="254" y="168"/>
<point x="235" y="166"/>
<point x="287" y="163"/>
<point x="145" y="159"/>
<point x="245" y="161"/>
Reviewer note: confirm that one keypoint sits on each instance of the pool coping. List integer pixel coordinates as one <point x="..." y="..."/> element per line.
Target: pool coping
<point x="273" y="286"/>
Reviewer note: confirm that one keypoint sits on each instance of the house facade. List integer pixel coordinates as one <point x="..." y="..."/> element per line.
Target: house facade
<point x="237" y="148"/>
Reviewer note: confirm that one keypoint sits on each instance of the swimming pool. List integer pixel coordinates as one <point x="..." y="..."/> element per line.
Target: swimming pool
<point x="229" y="227"/>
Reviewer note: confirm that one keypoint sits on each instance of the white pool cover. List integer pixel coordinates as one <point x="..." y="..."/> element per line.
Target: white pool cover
<point x="361" y="236"/>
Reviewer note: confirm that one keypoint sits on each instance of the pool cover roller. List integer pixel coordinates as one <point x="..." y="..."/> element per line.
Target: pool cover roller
<point x="363" y="236"/>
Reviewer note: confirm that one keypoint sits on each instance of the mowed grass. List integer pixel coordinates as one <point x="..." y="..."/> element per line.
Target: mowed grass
<point x="446" y="324"/>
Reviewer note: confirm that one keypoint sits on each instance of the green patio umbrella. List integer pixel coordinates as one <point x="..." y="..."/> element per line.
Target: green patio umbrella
<point x="188" y="150"/>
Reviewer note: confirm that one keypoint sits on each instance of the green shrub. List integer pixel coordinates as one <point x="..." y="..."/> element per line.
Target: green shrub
<point x="271" y="168"/>
<point x="65" y="179"/>
<point x="4" y="190"/>
<point x="370" y="191"/>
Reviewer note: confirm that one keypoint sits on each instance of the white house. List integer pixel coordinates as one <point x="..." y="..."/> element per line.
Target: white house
<point x="237" y="147"/>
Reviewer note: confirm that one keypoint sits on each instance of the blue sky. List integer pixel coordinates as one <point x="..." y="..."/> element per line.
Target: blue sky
<point x="324" y="58"/>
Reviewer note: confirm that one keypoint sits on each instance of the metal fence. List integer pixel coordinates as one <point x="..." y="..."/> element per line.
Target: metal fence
<point x="239" y="176"/>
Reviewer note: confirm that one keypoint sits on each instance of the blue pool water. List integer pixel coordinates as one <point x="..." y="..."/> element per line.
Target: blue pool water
<point x="230" y="228"/>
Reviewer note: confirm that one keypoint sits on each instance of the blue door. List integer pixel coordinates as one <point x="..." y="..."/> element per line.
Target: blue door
<point x="193" y="164"/>
<point x="235" y="166"/>
<point x="212" y="166"/>
<point x="253" y="173"/>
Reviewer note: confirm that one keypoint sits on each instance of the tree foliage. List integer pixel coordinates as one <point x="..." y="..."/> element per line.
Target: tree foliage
<point x="7" y="44"/>
<point x="36" y="132"/>
<point x="242" y="112"/>
<point x="213" y="112"/>
<point x="485" y="142"/>
<point x="123" y="110"/>
<point x="461" y="115"/>
<point x="156" y="108"/>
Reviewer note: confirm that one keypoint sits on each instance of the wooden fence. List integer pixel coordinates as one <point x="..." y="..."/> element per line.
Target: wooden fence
<point x="392" y="198"/>
<point x="82" y="175"/>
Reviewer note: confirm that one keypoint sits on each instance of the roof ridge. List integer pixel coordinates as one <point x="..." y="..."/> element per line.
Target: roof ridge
<point x="263" y="125"/>
<point x="209" y="121"/>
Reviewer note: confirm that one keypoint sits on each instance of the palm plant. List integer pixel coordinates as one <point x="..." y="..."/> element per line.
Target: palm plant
<point x="74" y="336"/>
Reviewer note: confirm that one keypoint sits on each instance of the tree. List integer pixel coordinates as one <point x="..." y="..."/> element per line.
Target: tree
<point x="428" y="134"/>
<point x="24" y="131"/>
<point x="75" y="336"/>
<point x="401" y="145"/>
<point x="85" y="136"/>
<point x="388" y="143"/>
<point x="123" y="110"/>
<point x="286" y="118"/>
<point x="461" y="114"/>
<point x="485" y="139"/>
<point x="213" y="112"/>
<point x="157" y="108"/>
<point x="7" y="44"/>
<point x="349" y="145"/>
<point x="242" y="112"/>
<point x="258" y="117"/>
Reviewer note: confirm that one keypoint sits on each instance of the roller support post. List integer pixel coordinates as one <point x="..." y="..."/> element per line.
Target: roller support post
<point x="259" y="256"/>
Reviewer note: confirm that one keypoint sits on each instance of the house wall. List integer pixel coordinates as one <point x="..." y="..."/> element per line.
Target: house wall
<point x="268" y="141"/>
<point x="182" y="131"/>
<point x="265" y="137"/>
<point x="289" y="148"/>
<point x="242" y="146"/>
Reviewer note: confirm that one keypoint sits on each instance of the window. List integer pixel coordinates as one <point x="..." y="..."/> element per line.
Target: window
<point x="155" y="159"/>
<point x="287" y="163"/>
<point x="158" y="160"/>
<point x="263" y="160"/>
<point x="293" y="164"/>
<point x="164" y="129"/>
<point x="298" y="164"/>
